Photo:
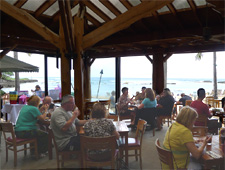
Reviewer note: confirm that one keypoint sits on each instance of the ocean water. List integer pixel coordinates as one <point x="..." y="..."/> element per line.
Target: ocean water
<point x="107" y="85"/>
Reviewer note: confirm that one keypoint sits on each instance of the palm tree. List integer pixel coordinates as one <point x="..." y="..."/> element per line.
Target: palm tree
<point x="199" y="57"/>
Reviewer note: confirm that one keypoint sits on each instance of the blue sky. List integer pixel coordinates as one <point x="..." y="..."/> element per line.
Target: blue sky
<point x="178" y="66"/>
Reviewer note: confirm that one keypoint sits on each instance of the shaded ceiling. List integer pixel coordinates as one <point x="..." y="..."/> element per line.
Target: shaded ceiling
<point x="182" y="26"/>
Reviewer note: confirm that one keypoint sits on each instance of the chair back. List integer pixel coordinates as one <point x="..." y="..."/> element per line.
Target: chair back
<point x="140" y="130"/>
<point x="106" y="103"/>
<point x="88" y="108"/>
<point x="8" y="131"/>
<point x="202" y="119"/>
<point x="198" y="131"/>
<point x="165" y="156"/>
<point x="51" y="135"/>
<point x="98" y="143"/>
<point x="114" y="117"/>
<point x="188" y="102"/>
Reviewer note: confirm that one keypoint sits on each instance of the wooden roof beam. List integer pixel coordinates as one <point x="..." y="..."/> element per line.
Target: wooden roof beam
<point x="149" y="58"/>
<point x="65" y="26"/>
<point x="20" y="3"/>
<point x="126" y="3"/>
<point x="30" y="22"/>
<point x="174" y="12"/>
<point x="123" y="21"/>
<point x="43" y="7"/>
<point x="194" y="9"/>
<point x="96" y="10"/>
<point x="111" y="7"/>
<point x="92" y="20"/>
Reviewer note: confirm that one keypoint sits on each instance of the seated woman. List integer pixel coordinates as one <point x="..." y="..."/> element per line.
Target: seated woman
<point x="99" y="126"/>
<point x="148" y="102"/>
<point x="123" y="105"/>
<point x="26" y="123"/>
<point x="180" y="141"/>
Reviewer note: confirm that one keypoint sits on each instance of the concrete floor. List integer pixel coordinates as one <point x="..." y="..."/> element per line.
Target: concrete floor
<point x="149" y="156"/>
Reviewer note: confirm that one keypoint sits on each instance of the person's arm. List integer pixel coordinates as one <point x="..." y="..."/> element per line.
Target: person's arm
<point x="116" y="134"/>
<point x="71" y="120"/>
<point x="42" y="117"/>
<point x="197" y="152"/>
<point x="82" y="122"/>
<point x="141" y="106"/>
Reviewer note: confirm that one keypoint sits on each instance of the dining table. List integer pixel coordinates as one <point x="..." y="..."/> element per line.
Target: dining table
<point x="213" y="154"/>
<point x="11" y="112"/>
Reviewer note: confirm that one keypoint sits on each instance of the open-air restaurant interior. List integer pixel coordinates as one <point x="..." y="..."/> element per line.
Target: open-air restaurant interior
<point x="69" y="128"/>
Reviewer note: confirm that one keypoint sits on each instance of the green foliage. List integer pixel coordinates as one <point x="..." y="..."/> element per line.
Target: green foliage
<point x="7" y="75"/>
<point x="199" y="56"/>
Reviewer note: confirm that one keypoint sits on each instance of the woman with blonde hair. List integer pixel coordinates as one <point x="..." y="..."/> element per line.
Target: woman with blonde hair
<point x="180" y="141"/>
<point x="26" y="123"/>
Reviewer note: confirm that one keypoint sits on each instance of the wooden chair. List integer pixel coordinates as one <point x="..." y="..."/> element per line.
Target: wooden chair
<point x="165" y="156"/>
<point x="135" y="143"/>
<point x="166" y="118"/>
<point x="114" y="117"/>
<point x="147" y="114"/>
<point x="12" y="142"/>
<point x="122" y="117"/>
<point x="198" y="131"/>
<point x="106" y="103"/>
<point x="63" y="156"/>
<point x="88" y="109"/>
<point x="188" y="102"/>
<point x="98" y="143"/>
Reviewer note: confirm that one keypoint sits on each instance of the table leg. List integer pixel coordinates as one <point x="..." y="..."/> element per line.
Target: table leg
<point x="126" y="149"/>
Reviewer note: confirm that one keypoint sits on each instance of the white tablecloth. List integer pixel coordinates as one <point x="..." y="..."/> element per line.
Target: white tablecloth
<point x="12" y="110"/>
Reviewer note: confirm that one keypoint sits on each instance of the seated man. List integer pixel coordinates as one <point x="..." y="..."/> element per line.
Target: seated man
<point x="201" y="107"/>
<point x="183" y="99"/>
<point x="48" y="100"/>
<point x="165" y="106"/>
<point x="63" y="124"/>
<point x="141" y="96"/>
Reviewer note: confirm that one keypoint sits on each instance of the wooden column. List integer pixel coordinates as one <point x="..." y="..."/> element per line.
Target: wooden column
<point x="78" y="66"/>
<point x="87" y="81"/>
<point x="65" y="64"/>
<point x="158" y="72"/>
<point x="46" y="74"/>
<point x="118" y="77"/>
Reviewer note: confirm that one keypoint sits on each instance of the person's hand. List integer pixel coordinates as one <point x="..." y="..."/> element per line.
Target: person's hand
<point x="44" y="107"/>
<point x="207" y="139"/>
<point x="76" y="112"/>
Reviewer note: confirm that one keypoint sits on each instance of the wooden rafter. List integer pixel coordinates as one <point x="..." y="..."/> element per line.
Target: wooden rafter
<point x="126" y="3"/>
<point x="70" y="23"/>
<point x="92" y="20"/>
<point x="174" y="12"/>
<point x="20" y="3"/>
<point x="30" y="22"/>
<point x="194" y="9"/>
<point x="65" y="25"/>
<point x="123" y="21"/>
<point x="43" y="7"/>
<point x="111" y="7"/>
<point x="168" y="55"/>
<point x="95" y="9"/>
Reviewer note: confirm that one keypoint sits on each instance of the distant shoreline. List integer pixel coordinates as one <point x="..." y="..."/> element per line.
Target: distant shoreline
<point x="11" y="83"/>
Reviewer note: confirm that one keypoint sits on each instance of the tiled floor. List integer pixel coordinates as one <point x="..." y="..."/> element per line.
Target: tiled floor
<point x="149" y="156"/>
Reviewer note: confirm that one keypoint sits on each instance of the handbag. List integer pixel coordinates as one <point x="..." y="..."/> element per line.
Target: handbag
<point x="185" y="168"/>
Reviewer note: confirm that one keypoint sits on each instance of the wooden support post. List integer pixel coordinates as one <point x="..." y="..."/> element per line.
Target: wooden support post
<point x="78" y="66"/>
<point x="158" y="72"/>
<point x="118" y="77"/>
<point x="87" y="81"/>
<point x="65" y="64"/>
<point x="46" y="75"/>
